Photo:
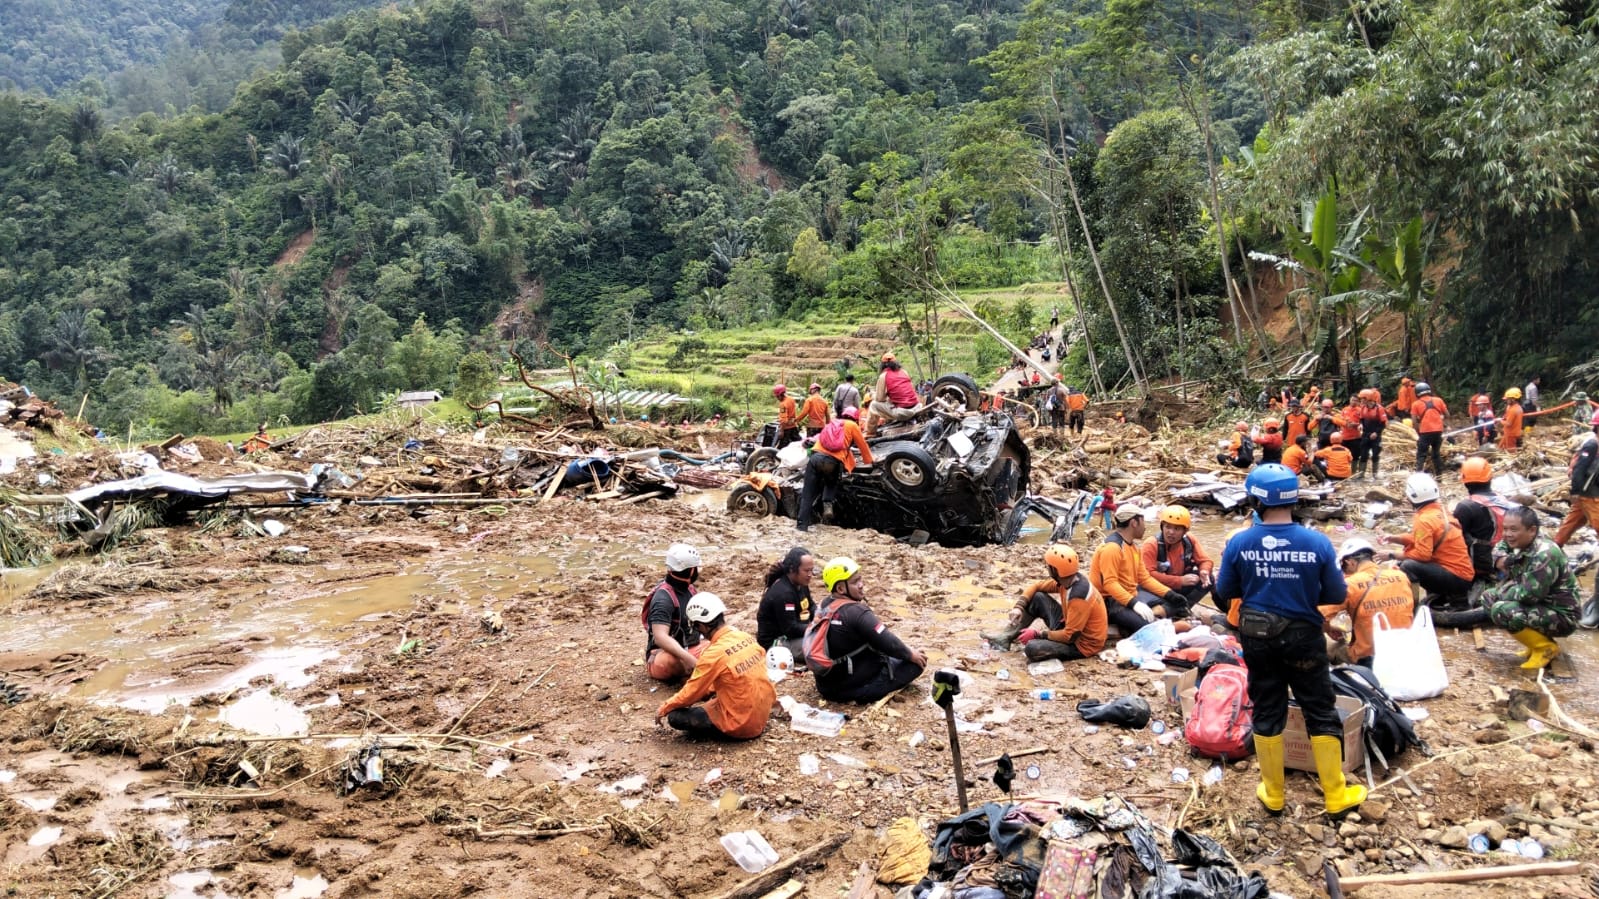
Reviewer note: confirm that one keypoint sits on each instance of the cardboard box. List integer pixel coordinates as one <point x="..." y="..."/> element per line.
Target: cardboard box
<point x="1296" y="743"/>
<point x="1172" y="681"/>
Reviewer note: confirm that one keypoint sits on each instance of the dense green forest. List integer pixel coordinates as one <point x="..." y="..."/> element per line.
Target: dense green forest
<point x="453" y="178"/>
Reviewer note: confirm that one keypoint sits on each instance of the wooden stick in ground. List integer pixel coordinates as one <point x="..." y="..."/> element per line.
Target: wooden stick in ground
<point x="769" y="879"/>
<point x="1550" y="822"/>
<point x="1465" y="875"/>
<point x="1023" y="753"/>
<point x="1570" y="723"/>
<point x="1438" y="758"/>
<point x="468" y="713"/>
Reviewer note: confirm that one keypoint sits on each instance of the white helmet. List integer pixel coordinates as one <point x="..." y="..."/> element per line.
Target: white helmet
<point x="704" y="608"/>
<point x="1421" y="488"/>
<point x="1355" y="545"/>
<point x="682" y="557"/>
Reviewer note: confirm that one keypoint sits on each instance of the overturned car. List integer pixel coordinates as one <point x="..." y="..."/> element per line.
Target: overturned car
<point x="951" y="474"/>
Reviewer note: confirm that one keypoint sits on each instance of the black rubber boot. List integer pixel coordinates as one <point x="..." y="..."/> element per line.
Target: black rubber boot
<point x="1590" y="610"/>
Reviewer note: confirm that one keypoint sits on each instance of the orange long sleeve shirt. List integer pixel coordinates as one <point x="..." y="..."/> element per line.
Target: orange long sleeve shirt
<point x="787" y="413"/>
<point x="1173" y="577"/>
<point x="1297" y="423"/>
<point x="1082" y="609"/>
<point x="815" y="411"/>
<point x="1117" y="571"/>
<point x="734" y="668"/>
<point x="1295" y="458"/>
<point x="1513" y="420"/>
<point x="1429" y="413"/>
<point x="1340" y="461"/>
<point x="852" y="438"/>
<point x="1436" y="537"/>
<point x="1373" y="590"/>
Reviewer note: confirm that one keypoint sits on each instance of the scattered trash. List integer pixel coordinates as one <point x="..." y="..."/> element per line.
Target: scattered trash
<point x="1179" y="775"/>
<point x="1417" y="713"/>
<point x="1478" y="844"/>
<point x="811" y="720"/>
<point x="625" y="785"/>
<point x="274" y="527"/>
<point x="917" y="739"/>
<point x="809" y="764"/>
<point x="1045" y="695"/>
<point x="1131" y="712"/>
<point x="1213" y="776"/>
<point x="750" y="850"/>
<point x="848" y="761"/>
<point x="365" y="768"/>
<point x="1091" y="729"/>
<point x="45" y="836"/>
<point x="1531" y="848"/>
<point x="1157" y="727"/>
<point x="712" y="776"/>
<point x="1002" y="674"/>
<point x="1049" y="666"/>
<point x="498" y="768"/>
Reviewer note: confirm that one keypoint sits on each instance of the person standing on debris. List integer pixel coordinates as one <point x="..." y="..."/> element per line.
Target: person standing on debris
<point x="1297" y="459"/>
<point x="1176" y="559"/>
<point x="1296" y="423"/>
<point x="1372" y="590"/>
<point x="731" y="670"/>
<point x="1062" y="617"/>
<point x="1530" y="398"/>
<point x="1349" y="426"/>
<point x="1240" y="451"/>
<point x="1537" y="601"/>
<point x="1285" y="572"/>
<point x="869" y="661"/>
<point x="673" y="647"/>
<point x="1373" y="421"/>
<point x="814" y="415"/>
<point x="1584" y="507"/>
<point x="1059" y="397"/>
<point x="1335" y="462"/>
<point x="1406" y="398"/>
<point x="1582" y="411"/>
<point x="1481" y="516"/>
<point x="1271" y="442"/>
<point x="786" y="607"/>
<point x="1434" y="553"/>
<point x="846" y="394"/>
<point x="1054" y="317"/>
<point x="787" y="415"/>
<point x="1429" y="412"/>
<point x="894" y="398"/>
<point x="831" y="458"/>
<point x="1312" y="395"/>
<point x="1076" y="410"/>
<point x="1512" y="420"/>
<point x="1132" y="597"/>
<point x="1326" y="425"/>
<point x="1482" y="412"/>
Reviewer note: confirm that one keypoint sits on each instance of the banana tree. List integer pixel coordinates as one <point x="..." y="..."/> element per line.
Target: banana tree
<point x="1399" y="264"/>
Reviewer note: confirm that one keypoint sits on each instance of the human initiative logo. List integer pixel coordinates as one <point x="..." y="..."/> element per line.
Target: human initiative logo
<point x="1271" y="542"/>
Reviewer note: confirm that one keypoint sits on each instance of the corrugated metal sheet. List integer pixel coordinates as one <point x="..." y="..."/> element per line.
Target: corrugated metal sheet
<point x="626" y="399"/>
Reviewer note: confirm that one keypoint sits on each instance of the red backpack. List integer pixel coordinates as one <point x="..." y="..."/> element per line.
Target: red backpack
<point x="814" y="645"/>
<point x="832" y="437"/>
<point x="1221" y="726"/>
<point x="644" y="613"/>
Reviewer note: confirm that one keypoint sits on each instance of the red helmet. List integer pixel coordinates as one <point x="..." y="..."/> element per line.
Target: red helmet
<point x="1271" y="424"/>
<point x="851" y="413"/>
<point x="779" y="389"/>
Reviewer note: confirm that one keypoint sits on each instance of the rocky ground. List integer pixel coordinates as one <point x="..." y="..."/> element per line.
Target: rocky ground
<point x="500" y="666"/>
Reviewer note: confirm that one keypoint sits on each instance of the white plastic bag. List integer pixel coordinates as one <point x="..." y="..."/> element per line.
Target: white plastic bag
<point x="1407" y="661"/>
<point x="1151" y="641"/>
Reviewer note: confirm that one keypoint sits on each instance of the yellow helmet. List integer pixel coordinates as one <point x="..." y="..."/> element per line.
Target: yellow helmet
<point x="1178" y="515"/>
<point x="1513" y="393"/>
<point x="838" y="571"/>
<point x="1062" y="560"/>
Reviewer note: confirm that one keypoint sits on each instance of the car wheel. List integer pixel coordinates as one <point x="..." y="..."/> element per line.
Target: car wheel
<point x="959" y="389"/>
<point x="911" y="470"/>
<point x="762" y="460"/>
<point x="747" y="499"/>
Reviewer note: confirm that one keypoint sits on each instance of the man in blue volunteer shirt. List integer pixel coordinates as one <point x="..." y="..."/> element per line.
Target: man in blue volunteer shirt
<point x="1284" y="571"/>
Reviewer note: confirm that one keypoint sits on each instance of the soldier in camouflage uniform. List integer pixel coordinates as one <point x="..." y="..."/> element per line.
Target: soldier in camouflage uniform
<point x="1537" y="600"/>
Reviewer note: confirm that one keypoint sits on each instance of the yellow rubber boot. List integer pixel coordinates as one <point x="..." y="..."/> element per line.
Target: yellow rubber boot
<point x="1269" y="752"/>
<point x="1526" y="646"/>
<point x="1341" y="797"/>
<point x="1544" y="650"/>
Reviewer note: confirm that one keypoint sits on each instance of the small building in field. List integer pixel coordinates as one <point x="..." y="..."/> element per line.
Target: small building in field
<point x="416" y="399"/>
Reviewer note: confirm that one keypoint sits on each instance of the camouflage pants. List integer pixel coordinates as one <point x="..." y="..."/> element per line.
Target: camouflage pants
<point x="1547" y="620"/>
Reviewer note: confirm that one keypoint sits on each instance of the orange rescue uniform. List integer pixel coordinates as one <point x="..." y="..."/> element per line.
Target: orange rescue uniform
<point x="1373" y="590"/>
<point x="1513" y="426"/>
<point x="1296" y="458"/>
<point x="1085" y="623"/>
<point x="1436" y="537"/>
<point x="1406" y="399"/>
<point x="1117" y="571"/>
<point x="815" y="411"/>
<point x="1428" y="413"/>
<point x="852" y="437"/>
<point x="1340" y="461"/>
<point x="734" y="668"/>
<point x="1077" y="402"/>
<point x="1297" y="423"/>
<point x="787" y="413"/>
<point x="1173" y="579"/>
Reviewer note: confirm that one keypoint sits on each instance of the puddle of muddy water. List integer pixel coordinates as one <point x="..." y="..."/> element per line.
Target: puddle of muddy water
<point x="265" y="714"/>
<point x="307" y="884"/>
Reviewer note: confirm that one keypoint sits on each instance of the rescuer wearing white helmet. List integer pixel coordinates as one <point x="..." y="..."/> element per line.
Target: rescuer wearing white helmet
<point x="733" y="667"/>
<point x="1372" y="589"/>
<point x="1434" y="554"/>
<point x="672" y="646"/>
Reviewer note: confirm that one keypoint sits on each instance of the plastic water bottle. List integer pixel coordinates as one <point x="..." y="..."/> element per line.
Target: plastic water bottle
<point x="1044" y="695"/>
<point x="1213" y="776"/>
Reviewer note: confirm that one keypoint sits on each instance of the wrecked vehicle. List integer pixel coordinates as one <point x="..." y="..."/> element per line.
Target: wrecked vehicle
<point x="951" y="473"/>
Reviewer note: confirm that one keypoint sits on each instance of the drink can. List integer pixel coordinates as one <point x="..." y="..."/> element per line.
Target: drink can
<point x="1478" y="843"/>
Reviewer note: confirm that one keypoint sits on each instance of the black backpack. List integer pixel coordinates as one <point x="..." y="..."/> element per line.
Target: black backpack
<point x="1388" y="731"/>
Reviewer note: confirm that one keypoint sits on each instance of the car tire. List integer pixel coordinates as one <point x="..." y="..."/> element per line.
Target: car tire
<point x="763" y="460"/>
<point x="958" y="387"/>
<point x="747" y="499"/>
<point x="909" y="469"/>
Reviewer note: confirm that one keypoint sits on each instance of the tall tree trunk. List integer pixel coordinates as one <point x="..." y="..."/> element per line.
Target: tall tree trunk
<point x="1133" y="367"/>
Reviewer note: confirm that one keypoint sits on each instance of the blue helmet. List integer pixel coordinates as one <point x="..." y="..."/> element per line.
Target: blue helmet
<point x="1273" y="485"/>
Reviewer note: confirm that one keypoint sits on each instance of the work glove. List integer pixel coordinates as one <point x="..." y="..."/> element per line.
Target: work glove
<point x="1173" y="598"/>
<point x="1144" y="611"/>
<point x="1027" y="636"/>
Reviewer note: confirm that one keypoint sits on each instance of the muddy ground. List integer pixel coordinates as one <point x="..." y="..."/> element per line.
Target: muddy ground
<point x="121" y="777"/>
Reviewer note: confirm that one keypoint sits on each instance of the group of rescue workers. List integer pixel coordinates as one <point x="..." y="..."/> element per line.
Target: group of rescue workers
<point x="1279" y="586"/>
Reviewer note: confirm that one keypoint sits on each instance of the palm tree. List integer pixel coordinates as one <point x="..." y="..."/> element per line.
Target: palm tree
<point x="86" y="122"/>
<point x="579" y="134"/>
<point x="459" y="135"/>
<point x="72" y="346"/>
<point x="167" y="175"/>
<point x="515" y="164"/>
<point x="287" y="155"/>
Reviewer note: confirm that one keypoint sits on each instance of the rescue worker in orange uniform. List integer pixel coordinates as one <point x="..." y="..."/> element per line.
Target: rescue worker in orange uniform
<point x="1482" y="412"/>
<point x="814" y="413"/>
<point x="1295" y="423"/>
<point x="1297" y="459"/>
<point x="826" y="467"/>
<point x="1076" y="408"/>
<point x="1240" y="450"/>
<point x="1405" y="399"/>
<point x="1176" y="559"/>
<point x="1373" y="421"/>
<point x="1481" y="516"/>
<point x="1061" y="617"/>
<point x="1435" y="554"/>
<point x="1271" y="441"/>
<point x="787" y="415"/>
<point x="1117" y="571"/>
<point x="733" y="668"/>
<point x="1350" y="427"/>
<point x="1513" y="420"/>
<point x="1372" y="590"/>
<point x="1428" y="412"/>
<point x="1312" y="396"/>
<point x="1336" y="461"/>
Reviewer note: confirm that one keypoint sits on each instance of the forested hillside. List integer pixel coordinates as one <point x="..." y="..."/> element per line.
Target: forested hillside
<point x="415" y="184"/>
